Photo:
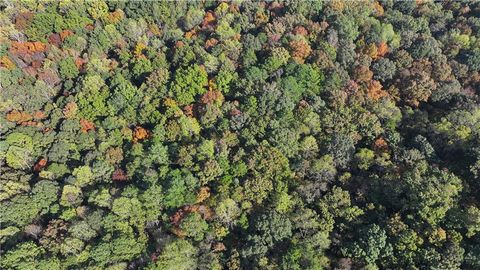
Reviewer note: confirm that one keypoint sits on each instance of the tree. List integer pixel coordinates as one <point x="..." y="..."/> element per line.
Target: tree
<point x="19" y="153"/>
<point x="384" y="69"/>
<point x="431" y="193"/>
<point x="339" y="205"/>
<point x="268" y="229"/>
<point x="300" y="49"/>
<point x="13" y="183"/>
<point x="227" y="211"/>
<point x="364" y="158"/>
<point x="371" y="245"/>
<point x="418" y="89"/>
<point x="269" y="170"/>
<point x="92" y="99"/>
<point x="71" y="196"/>
<point x="310" y="238"/>
<point x="347" y="28"/>
<point x="188" y="83"/>
<point x="84" y="176"/>
<point x="472" y="59"/>
<point x="194" y="226"/>
<point x="193" y="18"/>
<point x="129" y="209"/>
<point x="180" y="188"/>
<point x="22" y="209"/>
<point x="125" y="98"/>
<point x="67" y="68"/>
<point x="82" y="230"/>
<point x="24" y="256"/>
<point x="179" y="254"/>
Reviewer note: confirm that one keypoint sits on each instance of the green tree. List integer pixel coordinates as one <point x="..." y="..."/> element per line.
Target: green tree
<point x="67" y="68"/>
<point x="92" y="98"/>
<point x="188" y="83"/>
<point x="22" y="209"/>
<point x="83" y="175"/>
<point x="268" y="229"/>
<point x="371" y="245"/>
<point x="180" y="188"/>
<point x="365" y="158"/>
<point x="179" y="254"/>
<point x="25" y="256"/>
<point x="194" y="226"/>
<point x="71" y="196"/>
<point x="431" y="193"/>
<point x="20" y="150"/>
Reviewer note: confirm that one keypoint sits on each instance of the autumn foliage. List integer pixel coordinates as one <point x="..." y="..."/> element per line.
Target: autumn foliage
<point x="119" y="175"/>
<point x="375" y="91"/>
<point x="23" y="48"/>
<point x="86" y="125"/>
<point x="300" y="49"/>
<point x="232" y="134"/>
<point x="140" y="133"/>
<point x="40" y="165"/>
<point x="19" y="116"/>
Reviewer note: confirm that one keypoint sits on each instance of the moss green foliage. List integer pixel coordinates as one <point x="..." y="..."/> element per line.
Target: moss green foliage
<point x="67" y="68"/>
<point x="280" y="134"/>
<point x="188" y="84"/>
<point x="19" y="152"/>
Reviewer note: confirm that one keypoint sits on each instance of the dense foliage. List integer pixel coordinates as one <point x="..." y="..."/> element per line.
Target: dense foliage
<point x="239" y="135"/>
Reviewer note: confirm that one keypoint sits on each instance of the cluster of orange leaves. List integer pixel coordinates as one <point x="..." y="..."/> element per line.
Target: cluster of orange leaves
<point x="300" y="30"/>
<point x="235" y="111"/>
<point x="86" y="125"/>
<point x="119" y="175"/>
<point x="6" y="62"/>
<point x="210" y="43"/>
<point x="260" y="18"/>
<point x="379" y="11"/>
<point x="234" y="8"/>
<point x="139" y="133"/>
<point x="70" y="110"/>
<point x="40" y="165"/>
<point x="376" y="52"/>
<point x="179" y="44"/>
<point x="203" y="194"/>
<point x="209" y="19"/>
<point x="22" y="20"/>
<point x="363" y="74"/>
<point x="26" y="119"/>
<point x="190" y="34"/>
<point x="18" y="116"/>
<point x="80" y="62"/>
<point x="380" y="145"/>
<point x="18" y="47"/>
<point x="65" y="33"/>
<point x="300" y="49"/>
<point x="115" y="16"/>
<point x="375" y="91"/>
<point x="382" y="49"/>
<point x="90" y="27"/>
<point x="188" y="110"/>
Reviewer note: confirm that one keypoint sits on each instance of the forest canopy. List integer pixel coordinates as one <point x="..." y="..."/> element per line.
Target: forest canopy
<point x="279" y="134"/>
